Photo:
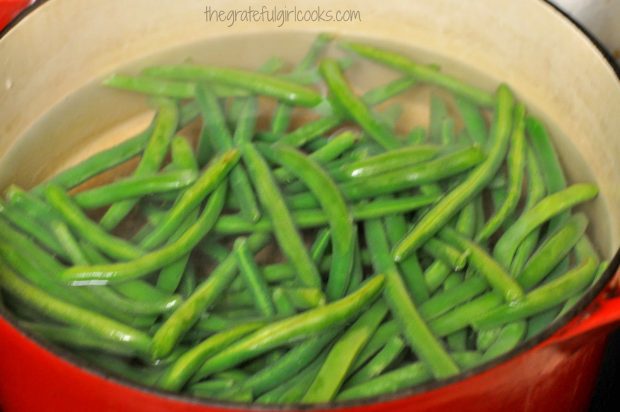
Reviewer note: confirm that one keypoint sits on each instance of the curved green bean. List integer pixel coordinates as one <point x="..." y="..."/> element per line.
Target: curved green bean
<point x="334" y="207"/>
<point x="452" y="202"/>
<point x="259" y="83"/>
<point x="548" y="207"/>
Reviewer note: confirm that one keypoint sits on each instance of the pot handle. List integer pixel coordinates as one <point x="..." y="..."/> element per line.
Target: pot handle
<point x="604" y="312"/>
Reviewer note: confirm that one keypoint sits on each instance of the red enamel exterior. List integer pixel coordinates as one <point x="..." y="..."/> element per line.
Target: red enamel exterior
<point x="557" y="375"/>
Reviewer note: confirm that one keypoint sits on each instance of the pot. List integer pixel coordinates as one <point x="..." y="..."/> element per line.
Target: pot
<point x="61" y="47"/>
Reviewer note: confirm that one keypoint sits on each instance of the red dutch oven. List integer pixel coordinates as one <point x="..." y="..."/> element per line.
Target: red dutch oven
<point x="60" y="47"/>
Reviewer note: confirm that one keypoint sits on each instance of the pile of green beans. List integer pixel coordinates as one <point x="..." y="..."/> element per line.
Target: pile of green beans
<point x="302" y="261"/>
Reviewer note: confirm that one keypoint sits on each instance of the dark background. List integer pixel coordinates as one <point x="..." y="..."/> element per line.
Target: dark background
<point x="607" y="393"/>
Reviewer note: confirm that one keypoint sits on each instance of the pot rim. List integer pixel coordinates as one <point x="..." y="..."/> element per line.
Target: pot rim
<point x="560" y="322"/>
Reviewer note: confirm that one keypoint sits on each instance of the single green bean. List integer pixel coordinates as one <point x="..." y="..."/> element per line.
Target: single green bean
<point x="426" y="74"/>
<point x="335" y="208"/>
<point x="395" y="229"/>
<point x="259" y="83"/>
<point x="485" y="265"/>
<point x="438" y="113"/>
<point x="552" y="171"/>
<point x="285" y="231"/>
<point x="452" y="202"/>
<point x="253" y="277"/>
<point x="473" y="120"/>
<point x="134" y="187"/>
<point x="332" y="374"/>
<point x="459" y="318"/>
<point x="516" y="163"/>
<point x="156" y="148"/>
<point x="414" y="329"/>
<point x="355" y="107"/>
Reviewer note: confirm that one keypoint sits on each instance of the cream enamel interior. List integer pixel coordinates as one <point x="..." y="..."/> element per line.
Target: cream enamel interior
<point x="66" y="45"/>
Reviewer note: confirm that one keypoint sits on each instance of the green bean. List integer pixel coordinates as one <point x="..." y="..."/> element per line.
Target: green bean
<point x="422" y="73"/>
<point x="296" y="327"/>
<point x="205" y="294"/>
<point x="320" y="245"/>
<point x="461" y="317"/>
<point x="452" y="202"/>
<point x="308" y="218"/>
<point x="438" y="113"/>
<point x="435" y="275"/>
<point x="472" y="120"/>
<point x="215" y="389"/>
<point x="253" y="278"/>
<point x="387" y="91"/>
<point x="182" y="370"/>
<point x="284" y="306"/>
<point x="354" y="106"/>
<point x="391" y="160"/>
<point x="446" y="253"/>
<point x="72" y="337"/>
<point x="89" y="230"/>
<point x="357" y="273"/>
<point x="390" y="352"/>
<point x="509" y="337"/>
<point x="145" y="264"/>
<point x="191" y="198"/>
<point x="335" y="208"/>
<point x="285" y="231"/>
<point x="442" y="302"/>
<point x="293" y="390"/>
<point x="134" y="187"/>
<point x="552" y="251"/>
<point x="309" y="131"/>
<point x="414" y="329"/>
<point x="171" y="275"/>
<point x="163" y="88"/>
<point x="536" y="191"/>
<point x="395" y="229"/>
<point x="73" y="315"/>
<point x="282" y="115"/>
<point x="33" y="228"/>
<point x="334" y="148"/>
<point x="382" y="335"/>
<point x="156" y="148"/>
<point x="548" y="207"/>
<point x="401" y="179"/>
<point x="417" y="135"/>
<point x="552" y="172"/>
<point x="543" y="297"/>
<point x="486" y="266"/>
<point x="516" y="162"/>
<point x="332" y="374"/>
<point x="289" y="365"/>
<point x="259" y="83"/>
<point x="222" y="140"/>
